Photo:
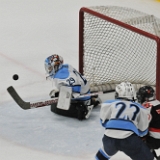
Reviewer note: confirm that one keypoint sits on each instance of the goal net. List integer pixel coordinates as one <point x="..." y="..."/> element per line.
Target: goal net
<point x="119" y="44"/>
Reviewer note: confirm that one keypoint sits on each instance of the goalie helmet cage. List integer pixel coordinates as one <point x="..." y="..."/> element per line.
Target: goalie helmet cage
<point x="118" y="44"/>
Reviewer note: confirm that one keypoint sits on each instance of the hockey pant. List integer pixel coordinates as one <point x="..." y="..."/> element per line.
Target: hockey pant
<point x="132" y="146"/>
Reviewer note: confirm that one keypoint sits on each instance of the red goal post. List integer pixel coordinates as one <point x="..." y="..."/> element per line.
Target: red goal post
<point x="119" y="44"/>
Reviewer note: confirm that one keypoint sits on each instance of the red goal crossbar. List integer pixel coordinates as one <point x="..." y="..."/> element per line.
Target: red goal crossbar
<point x="112" y="47"/>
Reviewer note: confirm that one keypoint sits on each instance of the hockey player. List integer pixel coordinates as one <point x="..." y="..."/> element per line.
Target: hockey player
<point x="146" y="97"/>
<point x="66" y="75"/>
<point x="125" y="121"/>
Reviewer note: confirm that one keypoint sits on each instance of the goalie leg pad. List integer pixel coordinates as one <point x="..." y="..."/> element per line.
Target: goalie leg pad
<point x="77" y="109"/>
<point x="81" y="110"/>
<point x="72" y="112"/>
<point x="84" y="109"/>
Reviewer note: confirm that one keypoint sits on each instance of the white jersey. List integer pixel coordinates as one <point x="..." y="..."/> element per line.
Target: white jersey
<point x="68" y="76"/>
<point x="121" y="118"/>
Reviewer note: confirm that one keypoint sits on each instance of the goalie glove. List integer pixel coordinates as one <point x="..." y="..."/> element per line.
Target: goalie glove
<point x="54" y="93"/>
<point x="95" y="101"/>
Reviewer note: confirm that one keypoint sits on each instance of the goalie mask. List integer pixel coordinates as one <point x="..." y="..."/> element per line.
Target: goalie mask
<point x="125" y="90"/>
<point x="145" y="93"/>
<point x="53" y="64"/>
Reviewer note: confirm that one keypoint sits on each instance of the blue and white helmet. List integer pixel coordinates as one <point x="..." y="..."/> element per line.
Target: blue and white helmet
<point x="53" y="63"/>
<point x="125" y="90"/>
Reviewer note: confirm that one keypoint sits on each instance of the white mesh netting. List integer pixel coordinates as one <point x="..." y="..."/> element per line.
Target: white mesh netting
<point x="113" y="54"/>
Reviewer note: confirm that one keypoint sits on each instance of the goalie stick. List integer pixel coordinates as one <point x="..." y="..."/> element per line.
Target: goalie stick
<point x="28" y="105"/>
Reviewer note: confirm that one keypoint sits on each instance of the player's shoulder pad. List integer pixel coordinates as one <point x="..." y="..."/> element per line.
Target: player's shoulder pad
<point x="111" y="101"/>
<point x="63" y="72"/>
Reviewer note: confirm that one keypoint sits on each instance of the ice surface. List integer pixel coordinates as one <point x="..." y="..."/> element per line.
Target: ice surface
<point x="30" y="31"/>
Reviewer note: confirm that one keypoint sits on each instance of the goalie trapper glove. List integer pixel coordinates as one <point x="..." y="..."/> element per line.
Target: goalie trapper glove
<point x="95" y="101"/>
<point x="54" y="93"/>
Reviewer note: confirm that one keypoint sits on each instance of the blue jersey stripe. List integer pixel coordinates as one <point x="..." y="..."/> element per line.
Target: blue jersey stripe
<point x="121" y="124"/>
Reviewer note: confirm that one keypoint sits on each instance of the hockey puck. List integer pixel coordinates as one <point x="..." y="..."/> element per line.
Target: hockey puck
<point x="15" y="77"/>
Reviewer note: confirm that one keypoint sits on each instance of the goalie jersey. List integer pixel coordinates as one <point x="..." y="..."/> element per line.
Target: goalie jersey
<point x="68" y="76"/>
<point x="125" y="116"/>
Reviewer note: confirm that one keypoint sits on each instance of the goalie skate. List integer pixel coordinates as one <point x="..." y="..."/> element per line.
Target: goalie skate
<point x="89" y="108"/>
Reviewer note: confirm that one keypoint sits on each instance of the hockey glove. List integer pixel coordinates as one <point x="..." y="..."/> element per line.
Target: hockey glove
<point x="54" y="93"/>
<point x="95" y="101"/>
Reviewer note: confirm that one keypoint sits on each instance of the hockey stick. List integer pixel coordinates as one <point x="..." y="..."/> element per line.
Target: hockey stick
<point x="29" y="105"/>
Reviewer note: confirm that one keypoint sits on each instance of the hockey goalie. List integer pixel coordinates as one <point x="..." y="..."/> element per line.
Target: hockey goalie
<point x="70" y="86"/>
